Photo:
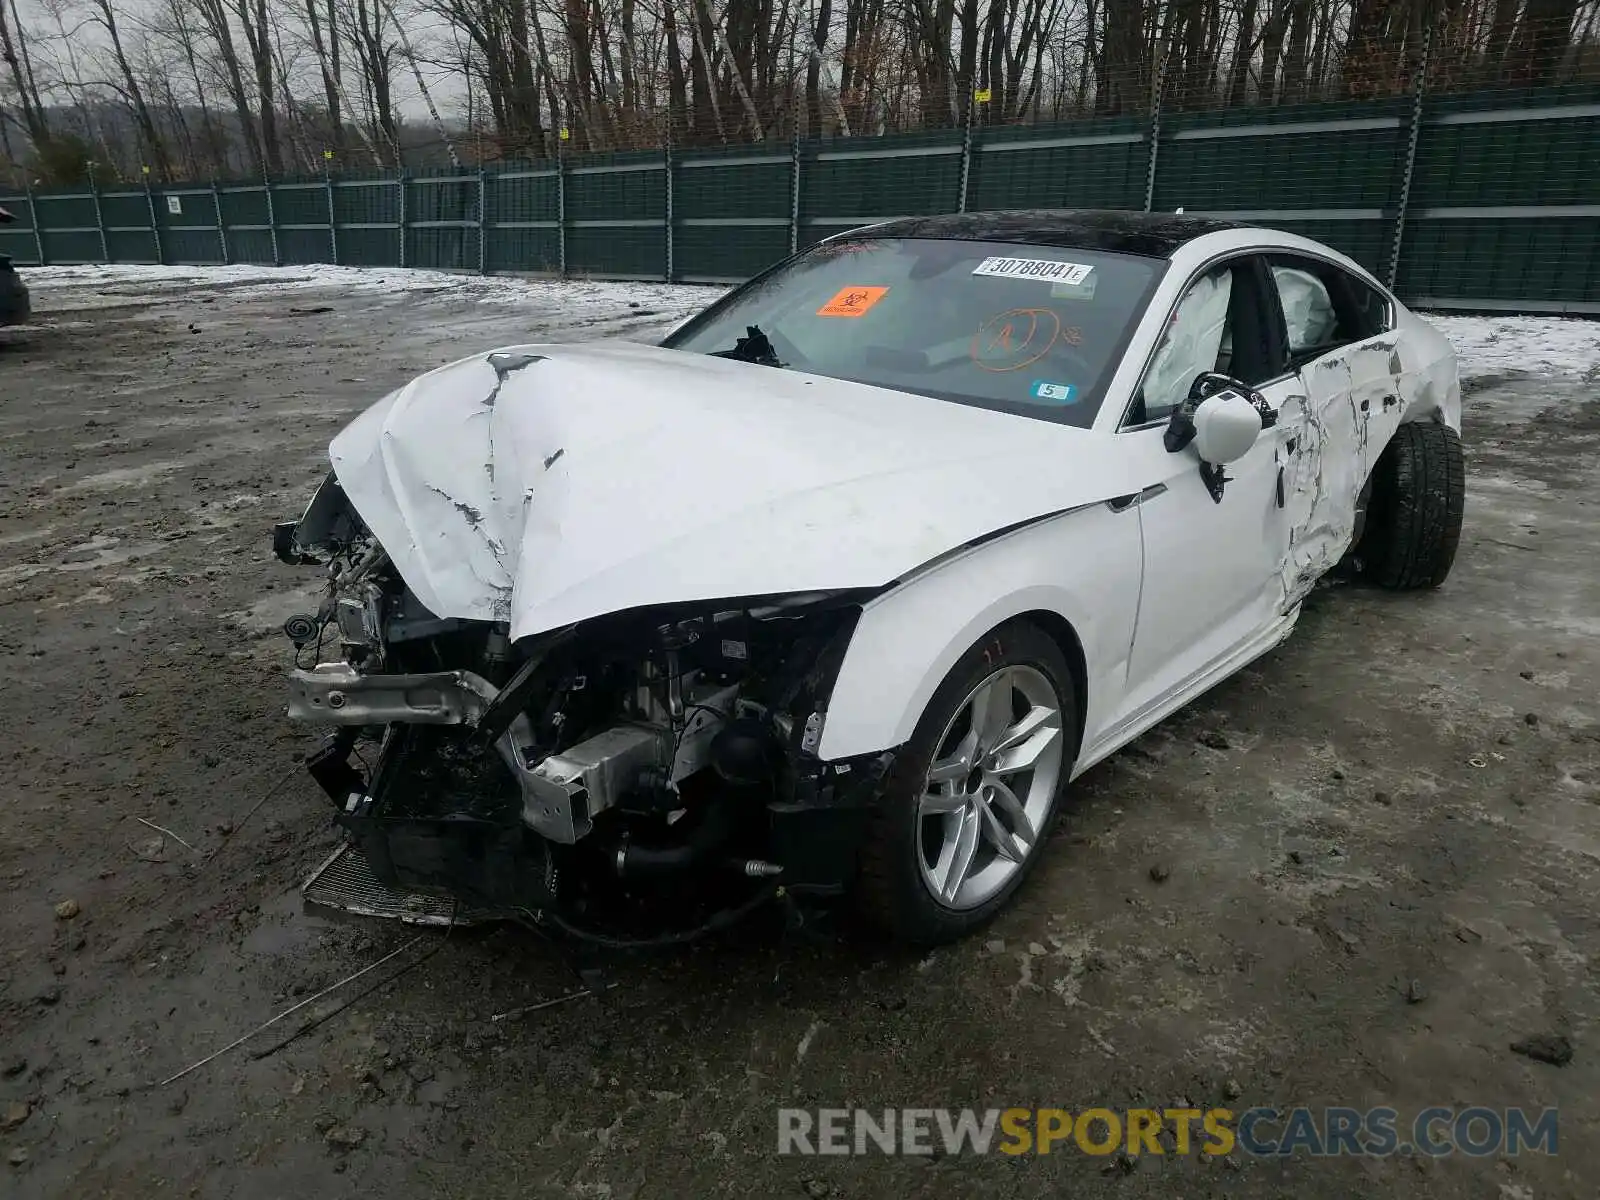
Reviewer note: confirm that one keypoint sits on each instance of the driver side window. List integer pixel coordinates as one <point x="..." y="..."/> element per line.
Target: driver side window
<point x="1217" y="326"/>
<point x="1193" y="342"/>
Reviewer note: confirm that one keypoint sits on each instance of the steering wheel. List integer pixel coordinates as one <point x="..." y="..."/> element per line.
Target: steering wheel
<point x="1082" y="371"/>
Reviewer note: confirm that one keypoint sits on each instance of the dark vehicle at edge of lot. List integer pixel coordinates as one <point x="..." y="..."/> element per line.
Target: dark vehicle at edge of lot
<point x="14" y="305"/>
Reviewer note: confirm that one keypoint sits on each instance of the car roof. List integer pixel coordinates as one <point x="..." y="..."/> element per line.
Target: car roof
<point x="1152" y="235"/>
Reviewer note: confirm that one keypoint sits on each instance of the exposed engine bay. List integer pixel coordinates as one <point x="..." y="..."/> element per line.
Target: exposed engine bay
<point x="640" y="777"/>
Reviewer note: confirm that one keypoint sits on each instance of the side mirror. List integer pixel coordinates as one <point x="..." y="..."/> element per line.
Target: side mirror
<point x="1219" y="395"/>
<point x="1226" y="425"/>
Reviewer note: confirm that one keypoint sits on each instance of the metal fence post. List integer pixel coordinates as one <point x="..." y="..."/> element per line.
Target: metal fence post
<point x="222" y="228"/>
<point x="1157" y="93"/>
<point x="966" y="153"/>
<point x="483" y="221"/>
<point x="561" y="209"/>
<point x="99" y="216"/>
<point x="667" y="161"/>
<point x="1411" y="158"/>
<point x="33" y="214"/>
<point x="155" y="226"/>
<point x="794" y="195"/>
<point x="404" y="235"/>
<point x="272" y="221"/>
<point x="333" y="219"/>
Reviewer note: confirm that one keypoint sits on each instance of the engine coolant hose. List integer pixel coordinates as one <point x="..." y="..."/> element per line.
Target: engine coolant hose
<point x="708" y="834"/>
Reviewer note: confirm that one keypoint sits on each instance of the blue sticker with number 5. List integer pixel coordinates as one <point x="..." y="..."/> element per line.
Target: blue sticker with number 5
<point x="1053" y="393"/>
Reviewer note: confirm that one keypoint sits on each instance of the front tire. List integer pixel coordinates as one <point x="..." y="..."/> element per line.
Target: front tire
<point x="1413" y="521"/>
<point x="964" y="812"/>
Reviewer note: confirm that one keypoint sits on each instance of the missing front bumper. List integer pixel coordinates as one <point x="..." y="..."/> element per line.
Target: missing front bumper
<point x="345" y="882"/>
<point x="338" y="694"/>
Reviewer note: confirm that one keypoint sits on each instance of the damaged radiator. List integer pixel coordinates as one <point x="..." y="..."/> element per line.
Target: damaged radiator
<point x="345" y="882"/>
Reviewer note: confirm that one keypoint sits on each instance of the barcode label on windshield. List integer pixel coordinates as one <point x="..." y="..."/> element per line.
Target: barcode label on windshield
<point x="1042" y="269"/>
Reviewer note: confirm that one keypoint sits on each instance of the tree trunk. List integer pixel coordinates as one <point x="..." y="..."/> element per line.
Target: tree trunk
<point x="327" y="52"/>
<point x="257" y="33"/>
<point x="14" y="50"/>
<point x="107" y="18"/>
<point x="1126" y="77"/>
<point x="1295" y="59"/>
<point x="1243" y="51"/>
<point x="819" y="42"/>
<point x="677" y="86"/>
<point x="1541" y="41"/>
<point x="1272" y="49"/>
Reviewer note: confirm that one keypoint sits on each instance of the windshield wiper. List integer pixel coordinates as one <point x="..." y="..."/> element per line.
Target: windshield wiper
<point x="755" y="347"/>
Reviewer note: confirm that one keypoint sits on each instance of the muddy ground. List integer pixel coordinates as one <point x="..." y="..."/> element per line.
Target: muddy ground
<point x="1376" y="848"/>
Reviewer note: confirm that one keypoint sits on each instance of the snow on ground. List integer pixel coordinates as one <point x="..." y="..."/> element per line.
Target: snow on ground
<point x="1550" y="346"/>
<point x="97" y="286"/>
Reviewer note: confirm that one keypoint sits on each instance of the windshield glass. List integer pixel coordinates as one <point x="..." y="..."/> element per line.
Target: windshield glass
<point x="1033" y="330"/>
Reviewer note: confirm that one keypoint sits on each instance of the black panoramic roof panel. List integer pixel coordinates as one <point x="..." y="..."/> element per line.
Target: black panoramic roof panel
<point x="1152" y="235"/>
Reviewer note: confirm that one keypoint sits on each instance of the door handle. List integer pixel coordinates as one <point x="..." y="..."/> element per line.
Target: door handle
<point x="1124" y="503"/>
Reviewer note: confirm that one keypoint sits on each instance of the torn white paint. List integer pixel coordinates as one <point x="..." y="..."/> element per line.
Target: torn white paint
<point x="1354" y="399"/>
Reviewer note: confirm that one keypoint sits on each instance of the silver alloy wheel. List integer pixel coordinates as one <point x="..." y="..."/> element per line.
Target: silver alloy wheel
<point x="990" y="788"/>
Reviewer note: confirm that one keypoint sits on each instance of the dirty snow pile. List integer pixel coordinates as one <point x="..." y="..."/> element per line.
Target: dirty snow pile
<point x="1545" y="346"/>
<point x="575" y="298"/>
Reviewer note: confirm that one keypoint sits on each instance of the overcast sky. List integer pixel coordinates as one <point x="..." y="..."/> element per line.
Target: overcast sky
<point x="429" y="37"/>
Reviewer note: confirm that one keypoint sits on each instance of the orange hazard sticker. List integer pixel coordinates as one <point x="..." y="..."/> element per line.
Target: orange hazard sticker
<point x="852" y="301"/>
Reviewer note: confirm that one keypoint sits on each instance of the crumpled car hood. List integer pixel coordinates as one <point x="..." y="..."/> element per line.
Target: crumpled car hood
<point x="544" y="485"/>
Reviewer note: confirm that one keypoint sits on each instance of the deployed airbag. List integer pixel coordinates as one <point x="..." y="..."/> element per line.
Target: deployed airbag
<point x="1191" y="344"/>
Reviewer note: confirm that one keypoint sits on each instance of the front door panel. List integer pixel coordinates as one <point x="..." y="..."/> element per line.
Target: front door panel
<point x="1213" y="572"/>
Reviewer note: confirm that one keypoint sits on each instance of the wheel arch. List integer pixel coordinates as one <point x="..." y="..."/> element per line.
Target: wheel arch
<point x="1059" y="630"/>
<point x="909" y="639"/>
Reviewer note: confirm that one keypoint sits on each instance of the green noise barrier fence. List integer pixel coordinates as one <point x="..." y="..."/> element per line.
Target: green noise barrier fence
<point x="1469" y="200"/>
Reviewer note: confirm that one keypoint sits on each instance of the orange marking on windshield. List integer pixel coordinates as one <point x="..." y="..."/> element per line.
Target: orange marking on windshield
<point x="852" y="301"/>
<point x="1016" y="338"/>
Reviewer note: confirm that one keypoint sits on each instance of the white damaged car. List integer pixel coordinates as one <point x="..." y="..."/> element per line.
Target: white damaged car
<point x="835" y="591"/>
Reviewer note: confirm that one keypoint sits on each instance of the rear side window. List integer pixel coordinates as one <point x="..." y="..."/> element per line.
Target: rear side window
<point x="1324" y="306"/>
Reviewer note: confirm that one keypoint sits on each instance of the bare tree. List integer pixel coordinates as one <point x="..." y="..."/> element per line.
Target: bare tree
<point x="223" y="85"/>
<point x="104" y="15"/>
<point x="19" y="63"/>
<point x="215" y="23"/>
<point x="254" y="19"/>
<point x="370" y="29"/>
<point x="323" y="27"/>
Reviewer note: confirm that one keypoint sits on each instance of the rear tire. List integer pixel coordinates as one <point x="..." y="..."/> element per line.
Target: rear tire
<point x="1413" y="520"/>
<point x="915" y="830"/>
